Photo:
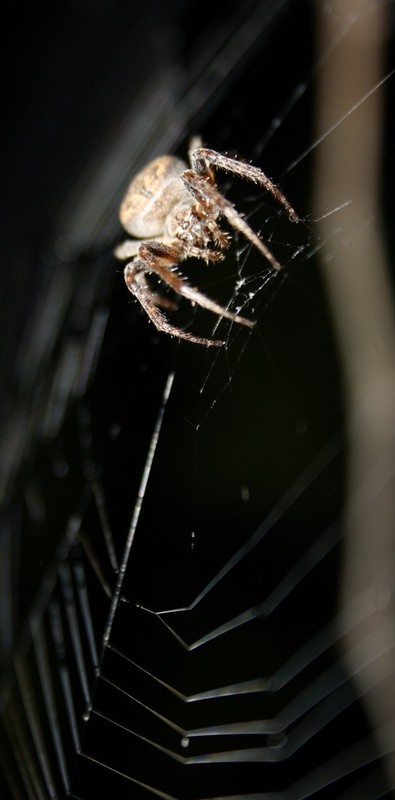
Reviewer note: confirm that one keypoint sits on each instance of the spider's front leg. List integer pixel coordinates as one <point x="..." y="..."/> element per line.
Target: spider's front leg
<point x="202" y="158"/>
<point x="134" y="277"/>
<point x="207" y="194"/>
<point x="160" y="258"/>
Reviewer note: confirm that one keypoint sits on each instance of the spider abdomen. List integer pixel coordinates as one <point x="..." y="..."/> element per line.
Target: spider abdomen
<point x="151" y="196"/>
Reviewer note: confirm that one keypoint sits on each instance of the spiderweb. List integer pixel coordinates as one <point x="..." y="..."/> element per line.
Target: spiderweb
<point x="182" y="614"/>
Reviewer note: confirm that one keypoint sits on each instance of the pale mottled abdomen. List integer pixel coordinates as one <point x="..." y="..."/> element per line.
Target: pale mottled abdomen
<point x="151" y="195"/>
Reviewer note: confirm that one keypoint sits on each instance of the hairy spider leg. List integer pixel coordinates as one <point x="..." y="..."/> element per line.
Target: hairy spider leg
<point x="207" y="194"/>
<point x="156" y="298"/>
<point x="203" y="158"/>
<point x="160" y="258"/>
<point x="130" y="247"/>
<point x="148" y="302"/>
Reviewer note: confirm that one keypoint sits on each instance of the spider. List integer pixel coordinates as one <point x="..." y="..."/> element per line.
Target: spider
<point x="174" y="212"/>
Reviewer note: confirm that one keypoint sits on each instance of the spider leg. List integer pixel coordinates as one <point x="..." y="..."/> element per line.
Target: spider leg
<point x="202" y="158"/>
<point x="134" y="284"/>
<point x="156" y="298"/>
<point x="126" y="249"/>
<point x="207" y="194"/>
<point x="130" y="247"/>
<point x="160" y="258"/>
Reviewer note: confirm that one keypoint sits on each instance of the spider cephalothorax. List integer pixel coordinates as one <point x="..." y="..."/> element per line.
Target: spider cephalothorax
<point x="174" y="214"/>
